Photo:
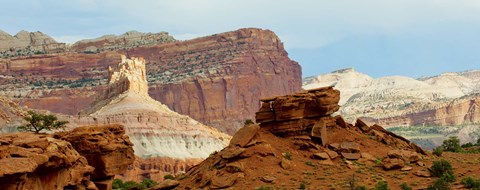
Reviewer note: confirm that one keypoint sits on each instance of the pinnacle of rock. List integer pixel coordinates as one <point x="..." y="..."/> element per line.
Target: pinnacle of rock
<point x="130" y="75"/>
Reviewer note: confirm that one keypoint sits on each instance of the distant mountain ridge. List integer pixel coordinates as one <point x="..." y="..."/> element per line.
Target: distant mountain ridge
<point x="26" y="43"/>
<point x="385" y="98"/>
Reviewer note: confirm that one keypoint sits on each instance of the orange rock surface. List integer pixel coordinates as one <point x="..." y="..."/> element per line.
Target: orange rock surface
<point x="85" y="158"/>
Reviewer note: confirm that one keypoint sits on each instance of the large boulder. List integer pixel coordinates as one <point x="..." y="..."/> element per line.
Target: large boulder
<point x="30" y="161"/>
<point x="106" y="148"/>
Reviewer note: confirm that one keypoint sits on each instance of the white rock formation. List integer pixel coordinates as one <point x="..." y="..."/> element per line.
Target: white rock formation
<point x="362" y="95"/>
<point x="154" y="129"/>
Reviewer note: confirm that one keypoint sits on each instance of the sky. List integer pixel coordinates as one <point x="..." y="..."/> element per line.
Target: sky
<point x="378" y="37"/>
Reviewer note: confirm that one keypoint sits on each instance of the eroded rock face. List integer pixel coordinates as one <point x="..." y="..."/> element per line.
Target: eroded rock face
<point x="290" y="142"/>
<point x="11" y="115"/>
<point x="216" y="80"/>
<point x="106" y="148"/>
<point x="84" y="158"/>
<point x="297" y="114"/>
<point x="31" y="161"/>
<point x="129" y="75"/>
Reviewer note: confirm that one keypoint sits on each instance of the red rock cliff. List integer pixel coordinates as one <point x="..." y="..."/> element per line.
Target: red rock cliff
<point x="217" y="79"/>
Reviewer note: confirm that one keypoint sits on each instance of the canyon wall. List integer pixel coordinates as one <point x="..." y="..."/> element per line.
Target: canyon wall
<point x="216" y="80"/>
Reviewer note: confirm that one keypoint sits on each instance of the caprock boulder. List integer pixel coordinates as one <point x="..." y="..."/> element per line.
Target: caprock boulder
<point x="297" y="142"/>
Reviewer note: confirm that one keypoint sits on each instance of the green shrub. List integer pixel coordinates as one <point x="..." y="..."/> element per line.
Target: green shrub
<point x="117" y="184"/>
<point x="467" y="145"/>
<point x="287" y="155"/>
<point x="439" y="184"/>
<point x="404" y="186"/>
<point x="168" y="176"/>
<point x="381" y="185"/>
<point x="130" y="185"/>
<point x="147" y="183"/>
<point x="361" y="187"/>
<point x="439" y="168"/>
<point x="471" y="183"/>
<point x="452" y="144"/>
<point x="303" y="185"/>
<point x="438" y="151"/>
<point x="448" y="177"/>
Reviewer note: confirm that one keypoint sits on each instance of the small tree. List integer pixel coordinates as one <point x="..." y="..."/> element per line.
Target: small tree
<point x="38" y="122"/>
<point x="452" y="144"/>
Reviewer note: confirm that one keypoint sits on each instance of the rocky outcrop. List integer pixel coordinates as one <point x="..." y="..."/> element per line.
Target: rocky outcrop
<point x="85" y="158"/>
<point x="273" y="151"/>
<point x="125" y="41"/>
<point x="296" y="114"/>
<point x="28" y="43"/>
<point x="106" y="148"/>
<point x="40" y="162"/>
<point x="11" y="115"/>
<point x="216" y="80"/>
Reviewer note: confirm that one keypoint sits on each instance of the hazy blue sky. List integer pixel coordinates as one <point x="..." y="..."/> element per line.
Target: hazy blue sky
<point x="377" y="37"/>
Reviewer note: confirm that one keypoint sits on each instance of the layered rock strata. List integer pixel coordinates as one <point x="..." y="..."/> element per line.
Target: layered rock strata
<point x="297" y="113"/>
<point x="125" y="41"/>
<point x="85" y="158"/>
<point x="446" y="99"/>
<point x="216" y="80"/>
<point x="295" y="134"/>
<point x="465" y="110"/>
<point x="157" y="132"/>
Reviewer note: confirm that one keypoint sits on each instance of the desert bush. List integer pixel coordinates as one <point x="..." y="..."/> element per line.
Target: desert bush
<point x="38" y="122"/>
<point x="146" y="183"/>
<point x="168" y="176"/>
<point x="381" y="185"/>
<point x="353" y="184"/>
<point x="440" y="168"/>
<point x="404" y="186"/>
<point x="452" y="144"/>
<point x="439" y="184"/>
<point x="471" y="183"/>
<point x="438" y="151"/>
